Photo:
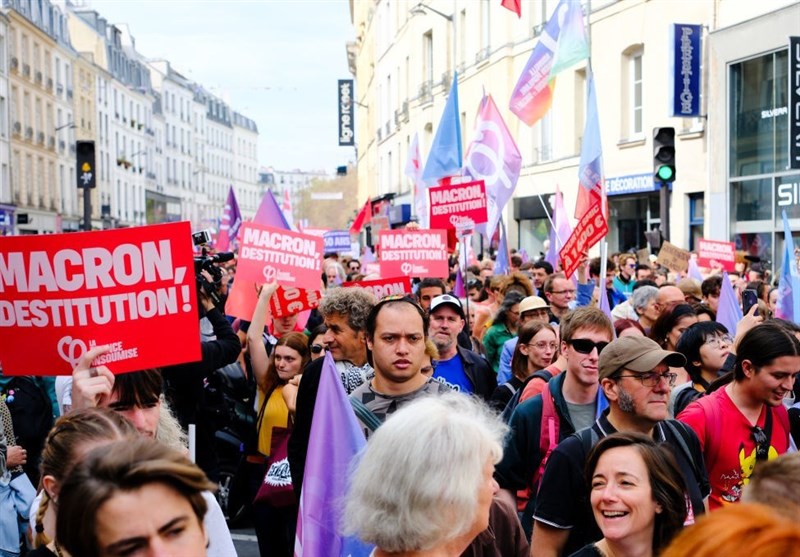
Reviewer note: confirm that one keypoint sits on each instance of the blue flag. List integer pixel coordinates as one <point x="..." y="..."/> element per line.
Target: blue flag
<point x="729" y="313"/>
<point x="501" y="264"/>
<point x="789" y="284"/>
<point x="444" y="158"/>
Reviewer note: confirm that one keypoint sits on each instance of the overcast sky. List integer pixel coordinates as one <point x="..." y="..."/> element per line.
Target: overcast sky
<point x="275" y="61"/>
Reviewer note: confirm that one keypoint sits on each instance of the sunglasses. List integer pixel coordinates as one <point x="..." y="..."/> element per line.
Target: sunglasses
<point x="762" y="443"/>
<point x="585" y="346"/>
<point x="317" y="348"/>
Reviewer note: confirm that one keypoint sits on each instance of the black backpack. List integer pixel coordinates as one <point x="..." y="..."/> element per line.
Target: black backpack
<point x="505" y="415"/>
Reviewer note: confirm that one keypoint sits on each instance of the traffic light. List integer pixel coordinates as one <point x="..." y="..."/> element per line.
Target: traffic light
<point x="664" y="154"/>
<point x="85" y="164"/>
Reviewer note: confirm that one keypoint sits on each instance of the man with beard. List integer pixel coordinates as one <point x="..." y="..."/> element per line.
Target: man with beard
<point x="457" y="367"/>
<point x="635" y="378"/>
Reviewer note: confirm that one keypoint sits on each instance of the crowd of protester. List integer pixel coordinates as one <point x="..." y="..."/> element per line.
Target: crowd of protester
<point x="506" y="414"/>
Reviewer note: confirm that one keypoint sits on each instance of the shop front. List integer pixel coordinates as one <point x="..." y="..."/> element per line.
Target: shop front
<point x="633" y="209"/>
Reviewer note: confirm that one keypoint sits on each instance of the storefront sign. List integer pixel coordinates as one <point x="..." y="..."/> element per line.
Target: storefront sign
<point x="383" y="287"/>
<point x="633" y="183"/>
<point x="346" y="132"/>
<point x="291" y="301"/>
<point x="673" y="257"/>
<point x="589" y="230"/>
<point x="63" y="294"/>
<point x="269" y="254"/>
<point x="787" y="196"/>
<point x="450" y="205"/>
<point x="686" y="54"/>
<point x="337" y="241"/>
<point x="713" y="254"/>
<point x="794" y="102"/>
<point x="414" y="253"/>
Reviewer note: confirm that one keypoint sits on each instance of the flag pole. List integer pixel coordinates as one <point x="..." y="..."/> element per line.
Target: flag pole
<point x="466" y="281"/>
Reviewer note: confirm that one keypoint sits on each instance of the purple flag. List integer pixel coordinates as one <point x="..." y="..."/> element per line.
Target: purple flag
<point x="729" y="312"/>
<point x="602" y="300"/>
<point x="494" y="158"/>
<point x="230" y="223"/>
<point x="335" y="439"/>
<point x="270" y="214"/>
<point x="694" y="270"/>
<point x="368" y="256"/>
<point x="458" y="290"/>
<point x="789" y="283"/>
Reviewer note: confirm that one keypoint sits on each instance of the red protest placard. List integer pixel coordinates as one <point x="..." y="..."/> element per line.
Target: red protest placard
<point x="414" y="253"/>
<point x="290" y="301"/>
<point x="589" y="230"/>
<point x="711" y="253"/>
<point x="268" y="254"/>
<point x="383" y="287"/>
<point x="65" y="293"/>
<point x="451" y="205"/>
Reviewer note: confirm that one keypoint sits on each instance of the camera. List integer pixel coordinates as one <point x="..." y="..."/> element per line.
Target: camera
<point x="209" y="264"/>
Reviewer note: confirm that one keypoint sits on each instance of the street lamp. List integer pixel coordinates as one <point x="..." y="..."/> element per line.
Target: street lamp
<point x="423" y="9"/>
<point x="70" y="125"/>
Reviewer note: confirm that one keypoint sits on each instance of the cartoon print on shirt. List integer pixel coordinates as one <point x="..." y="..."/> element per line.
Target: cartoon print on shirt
<point x="748" y="463"/>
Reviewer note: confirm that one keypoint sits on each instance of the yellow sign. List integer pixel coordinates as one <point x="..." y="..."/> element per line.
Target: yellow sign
<point x="86" y="167"/>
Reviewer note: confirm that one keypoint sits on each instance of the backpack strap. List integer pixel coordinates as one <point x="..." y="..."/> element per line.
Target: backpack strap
<point x="367" y="416"/>
<point x="549" y="430"/>
<point x="680" y="434"/>
<point x="542" y="374"/>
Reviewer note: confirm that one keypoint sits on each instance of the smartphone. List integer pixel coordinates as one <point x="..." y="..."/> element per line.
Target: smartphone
<point x="749" y="299"/>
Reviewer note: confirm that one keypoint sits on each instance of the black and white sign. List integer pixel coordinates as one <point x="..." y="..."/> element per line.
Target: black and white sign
<point x="794" y="102"/>
<point x="346" y="132"/>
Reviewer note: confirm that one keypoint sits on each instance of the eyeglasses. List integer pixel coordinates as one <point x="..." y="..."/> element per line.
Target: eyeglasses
<point x="542" y="345"/>
<point x="585" y="346"/>
<point x="651" y="379"/>
<point x="719" y="342"/>
<point x="317" y="348"/>
<point x="558" y="292"/>
<point x="762" y="443"/>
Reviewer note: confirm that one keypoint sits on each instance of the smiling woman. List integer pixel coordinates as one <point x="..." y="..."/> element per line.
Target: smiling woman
<point x="637" y="496"/>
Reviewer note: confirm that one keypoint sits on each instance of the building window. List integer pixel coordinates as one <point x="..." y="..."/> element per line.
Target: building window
<point x="759" y="115"/>
<point x="696" y="218"/>
<point x="485" y="24"/>
<point x="427" y="49"/>
<point x="635" y="104"/>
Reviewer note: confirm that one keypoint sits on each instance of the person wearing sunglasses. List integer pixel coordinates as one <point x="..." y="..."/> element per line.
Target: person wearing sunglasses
<point x="316" y="341"/>
<point x="625" y="279"/>
<point x="745" y="422"/>
<point x="636" y="379"/>
<point x="569" y="401"/>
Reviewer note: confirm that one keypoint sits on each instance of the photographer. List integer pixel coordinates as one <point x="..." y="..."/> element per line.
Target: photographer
<point x="185" y="382"/>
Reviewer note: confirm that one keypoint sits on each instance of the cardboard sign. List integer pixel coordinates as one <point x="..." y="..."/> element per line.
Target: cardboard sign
<point x="290" y="301"/>
<point x="673" y="257"/>
<point x="643" y="256"/>
<point x="712" y="253"/>
<point x="458" y="204"/>
<point x="383" y="287"/>
<point x="589" y="230"/>
<point x="268" y="254"/>
<point x="62" y="294"/>
<point x="414" y="253"/>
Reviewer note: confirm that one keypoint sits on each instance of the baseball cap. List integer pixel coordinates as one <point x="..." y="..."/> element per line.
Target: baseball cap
<point x="447" y="299"/>
<point x="636" y="354"/>
<point x="531" y="303"/>
<point x="691" y="287"/>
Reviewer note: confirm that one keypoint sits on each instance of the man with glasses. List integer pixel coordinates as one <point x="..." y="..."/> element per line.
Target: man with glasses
<point x="560" y="292"/>
<point x="635" y="378"/>
<point x="570" y="401"/>
<point x="457" y="367"/>
<point x="625" y="280"/>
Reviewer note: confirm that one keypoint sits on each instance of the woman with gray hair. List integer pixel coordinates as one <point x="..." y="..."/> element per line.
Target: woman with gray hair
<point x="643" y="301"/>
<point x="425" y="481"/>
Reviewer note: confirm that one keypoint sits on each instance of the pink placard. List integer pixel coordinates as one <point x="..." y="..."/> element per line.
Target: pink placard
<point x="414" y="253"/>
<point x="711" y="253"/>
<point x="454" y="204"/>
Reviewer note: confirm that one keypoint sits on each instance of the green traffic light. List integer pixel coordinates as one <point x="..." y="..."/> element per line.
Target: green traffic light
<point x="665" y="173"/>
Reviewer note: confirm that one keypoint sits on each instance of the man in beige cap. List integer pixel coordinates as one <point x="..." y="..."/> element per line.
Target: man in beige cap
<point x="635" y="378"/>
<point x="532" y="308"/>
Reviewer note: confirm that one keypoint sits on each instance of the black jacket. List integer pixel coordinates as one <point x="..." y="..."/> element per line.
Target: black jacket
<point x="483" y="379"/>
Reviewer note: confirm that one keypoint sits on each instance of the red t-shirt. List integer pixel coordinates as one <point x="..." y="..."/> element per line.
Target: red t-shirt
<point x="730" y="451"/>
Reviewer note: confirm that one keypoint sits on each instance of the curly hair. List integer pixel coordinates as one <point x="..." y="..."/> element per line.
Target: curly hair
<point x="355" y="303"/>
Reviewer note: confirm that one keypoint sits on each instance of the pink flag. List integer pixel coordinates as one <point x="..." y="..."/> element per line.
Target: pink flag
<point x="414" y="173"/>
<point x="560" y="231"/>
<point x="494" y="158"/>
